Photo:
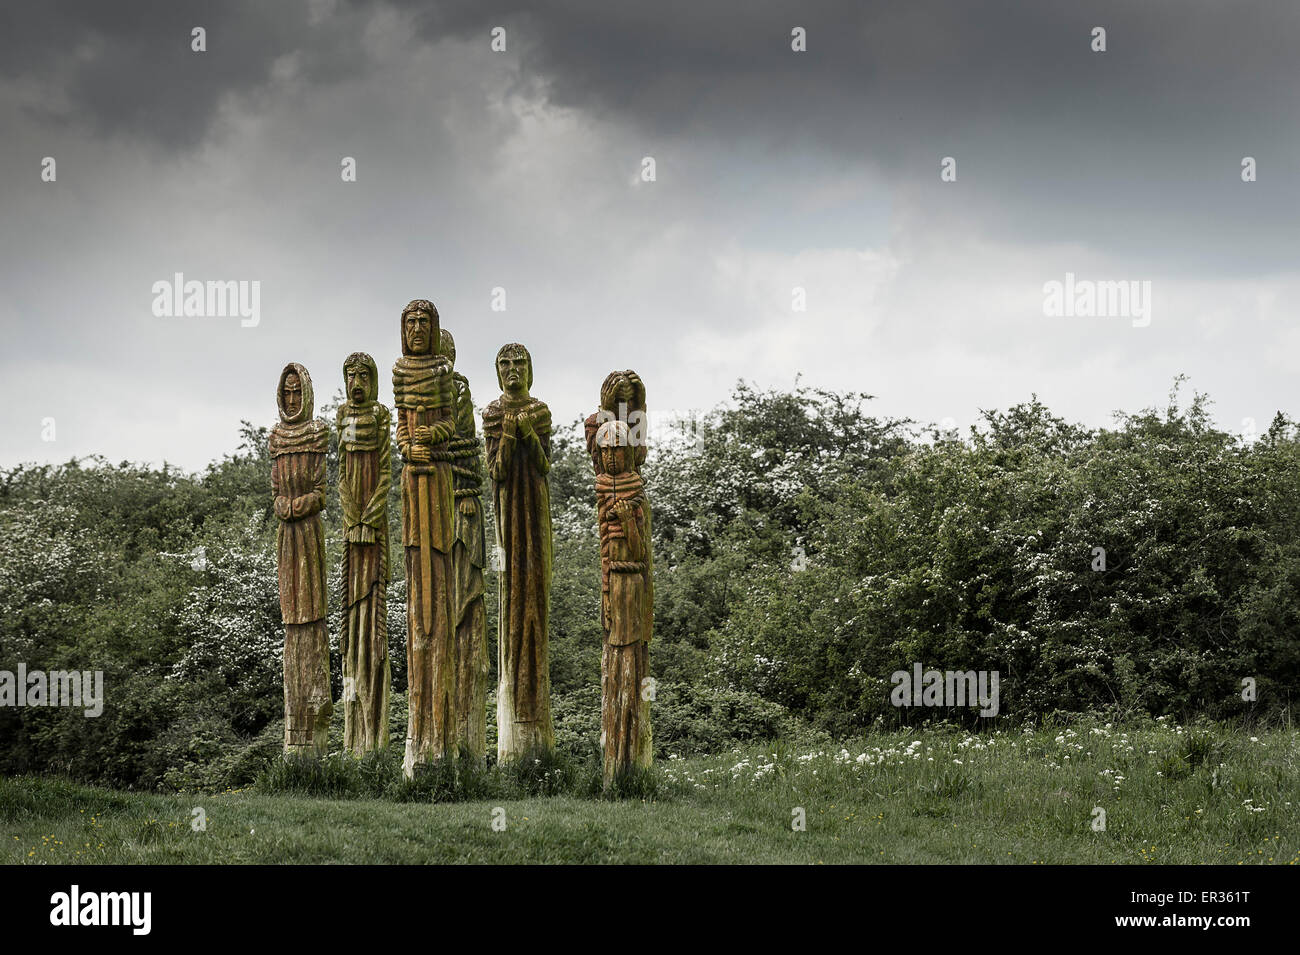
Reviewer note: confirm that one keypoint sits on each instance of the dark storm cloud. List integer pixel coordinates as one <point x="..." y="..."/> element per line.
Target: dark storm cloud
<point x="1055" y="143"/>
<point x="893" y="85"/>
<point x="683" y="65"/>
<point x="127" y="68"/>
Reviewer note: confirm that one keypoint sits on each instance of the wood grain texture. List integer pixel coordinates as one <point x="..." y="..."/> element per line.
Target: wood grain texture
<point x="365" y="462"/>
<point x="298" y="444"/>
<point x="615" y="440"/>
<point x="517" y="434"/>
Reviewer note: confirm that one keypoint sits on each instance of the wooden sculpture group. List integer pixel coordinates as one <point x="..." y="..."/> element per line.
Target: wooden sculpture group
<point x="445" y="551"/>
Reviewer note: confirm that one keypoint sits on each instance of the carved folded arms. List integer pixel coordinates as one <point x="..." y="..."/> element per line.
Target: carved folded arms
<point x="524" y="432"/>
<point x="291" y="508"/>
<point x="364" y="521"/>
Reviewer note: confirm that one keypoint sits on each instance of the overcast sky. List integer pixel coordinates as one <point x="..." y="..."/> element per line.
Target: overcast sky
<point x="522" y="169"/>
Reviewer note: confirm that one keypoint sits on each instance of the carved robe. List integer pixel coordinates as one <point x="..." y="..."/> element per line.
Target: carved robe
<point x="633" y="414"/>
<point x="365" y="461"/>
<point x="298" y="444"/>
<point x="627" y="614"/>
<point x="468" y="558"/>
<point x="518" y="467"/>
<point x="425" y="398"/>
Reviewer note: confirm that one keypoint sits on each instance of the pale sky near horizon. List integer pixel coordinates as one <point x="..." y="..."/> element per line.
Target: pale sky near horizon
<point x="775" y="170"/>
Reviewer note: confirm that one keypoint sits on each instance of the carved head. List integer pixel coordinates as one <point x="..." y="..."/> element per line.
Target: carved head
<point x="614" y="440"/>
<point x="514" y="370"/>
<point x="420" y="332"/>
<point x="622" y="388"/>
<point x="361" y="378"/>
<point x="447" y="348"/>
<point x="294" y="395"/>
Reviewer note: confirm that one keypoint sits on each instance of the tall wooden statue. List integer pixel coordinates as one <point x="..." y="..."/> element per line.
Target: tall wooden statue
<point x="467" y="562"/>
<point x="626" y="598"/>
<point x="298" y="445"/>
<point x="425" y="395"/>
<point x="517" y="431"/>
<point x="365" y="460"/>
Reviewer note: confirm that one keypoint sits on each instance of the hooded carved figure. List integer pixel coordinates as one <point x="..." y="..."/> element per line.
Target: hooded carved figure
<point x="365" y="475"/>
<point x="425" y="395"/>
<point x="298" y="444"/>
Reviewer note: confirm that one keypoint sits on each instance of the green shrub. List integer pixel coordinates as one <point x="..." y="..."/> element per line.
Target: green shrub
<point x="694" y="718"/>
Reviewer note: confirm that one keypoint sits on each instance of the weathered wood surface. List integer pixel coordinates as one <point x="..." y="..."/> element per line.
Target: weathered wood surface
<point x="298" y="444"/>
<point x="425" y="395"/>
<point x="627" y="574"/>
<point x="468" y="560"/>
<point x="365" y="475"/>
<point x="517" y="433"/>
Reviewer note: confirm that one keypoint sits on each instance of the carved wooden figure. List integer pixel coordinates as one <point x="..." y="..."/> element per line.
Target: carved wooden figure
<point x="425" y="395"/>
<point x="517" y="432"/>
<point x="626" y="601"/>
<point x="298" y="445"/>
<point x="365" y="461"/>
<point x="468" y="555"/>
<point x="622" y="398"/>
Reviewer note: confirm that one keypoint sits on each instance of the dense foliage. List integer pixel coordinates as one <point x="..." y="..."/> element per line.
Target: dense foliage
<point x="804" y="551"/>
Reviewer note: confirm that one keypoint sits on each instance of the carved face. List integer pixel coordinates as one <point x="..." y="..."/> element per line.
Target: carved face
<point x="513" y="372"/>
<point x="418" y="326"/>
<point x="614" y="459"/>
<point x="358" y="382"/>
<point x="292" y="395"/>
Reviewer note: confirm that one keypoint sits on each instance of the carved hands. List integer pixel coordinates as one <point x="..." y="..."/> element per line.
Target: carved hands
<point x="518" y="424"/>
<point x="306" y="505"/>
<point x="293" y="508"/>
<point x="624" y="390"/>
<point x="423" y="437"/>
<point x="626" y="511"/>
<point x="361" y="534"/>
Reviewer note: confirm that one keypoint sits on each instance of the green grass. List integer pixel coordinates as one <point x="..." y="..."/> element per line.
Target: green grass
<point x="1204" y="794"/>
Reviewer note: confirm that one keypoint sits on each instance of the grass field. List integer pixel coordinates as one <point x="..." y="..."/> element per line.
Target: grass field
<point x="1205" y="794"/>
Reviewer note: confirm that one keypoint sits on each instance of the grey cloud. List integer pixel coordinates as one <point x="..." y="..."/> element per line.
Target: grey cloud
<point x="1055" y="143"/>
<point x="126" y="69"/>
<point x="775" y="169"/>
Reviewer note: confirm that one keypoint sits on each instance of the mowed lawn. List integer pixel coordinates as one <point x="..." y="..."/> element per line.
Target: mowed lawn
<point x="1169" y="794"/>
